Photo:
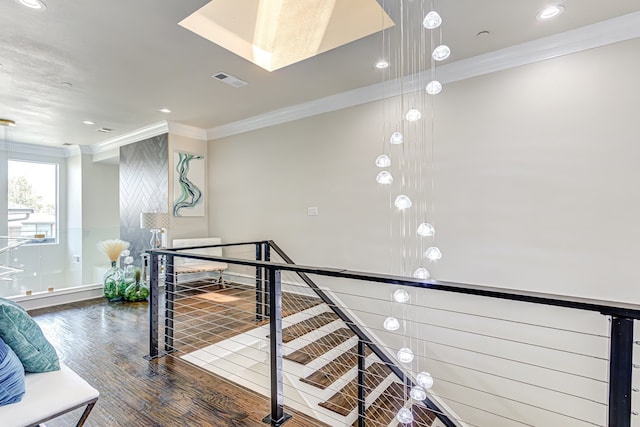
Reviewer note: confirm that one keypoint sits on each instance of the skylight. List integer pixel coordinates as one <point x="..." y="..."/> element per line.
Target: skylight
<point x="274" y="34"/>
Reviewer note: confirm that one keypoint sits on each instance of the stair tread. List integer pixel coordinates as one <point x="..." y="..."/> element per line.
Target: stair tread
<point x="346" y="399"/>
<point x="332" y="371"/>
<point x="302" y="328"/>
<point x="422" y="417"/>
<point x="384" y="409"/>
<point x="320" y="346"/>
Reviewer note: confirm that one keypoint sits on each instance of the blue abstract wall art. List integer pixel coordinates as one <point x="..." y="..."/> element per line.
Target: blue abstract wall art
<point x="188" y="190"/>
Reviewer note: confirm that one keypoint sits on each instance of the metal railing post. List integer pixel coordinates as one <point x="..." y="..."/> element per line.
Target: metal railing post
<point x="267" y="258"/>
<point x="153" y="308"/>
<point x="361" y="379"/>
<point x="620" y="371"/>
<point x="277" y="416"/>
<point x="169" y="294"/>
<point x="259" y="315"/>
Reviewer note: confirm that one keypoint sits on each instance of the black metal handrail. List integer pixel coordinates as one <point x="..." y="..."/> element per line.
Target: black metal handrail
<point x="610" y="308"/>
<point x="622" y="315"/>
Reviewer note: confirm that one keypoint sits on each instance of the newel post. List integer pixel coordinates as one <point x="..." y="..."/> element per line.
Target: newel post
<point x="620" y="371"/>
<point x="277" y="416"/>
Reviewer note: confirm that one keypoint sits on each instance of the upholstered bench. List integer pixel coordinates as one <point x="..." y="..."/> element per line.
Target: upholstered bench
<point x="49" y="395"/>
<point x="183" y="266"/>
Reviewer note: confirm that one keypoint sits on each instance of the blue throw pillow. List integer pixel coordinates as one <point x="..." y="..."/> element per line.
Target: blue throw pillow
<point x="11" y="376"/>
<point x="26" y="339"/>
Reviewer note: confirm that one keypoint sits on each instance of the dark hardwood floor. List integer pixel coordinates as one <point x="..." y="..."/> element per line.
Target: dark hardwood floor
<point x="105" y="343"/>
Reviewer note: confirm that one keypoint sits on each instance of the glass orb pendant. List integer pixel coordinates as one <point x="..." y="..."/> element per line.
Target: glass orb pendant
<point x="413" y="115"/>
<point x="426" y="230"/>
<point x="396" y="138"/>
<point x="385" y="178"/>
<point x="405" y="416"/>
<point x="424" y="380"/>
<point x="401" y="296"/>
<point x="402" y="202"/>
<point x="421" y="273"/>
<point x="405" y="355"/>
<point x="434" y="87"/>
<point x="432" y="20"/>
<point x="391" y="324"/>
<point x="433" y="254"/>
<point x="383" y="161"/>
<point x="418" y="393"/>
<point x="441" y="53"/>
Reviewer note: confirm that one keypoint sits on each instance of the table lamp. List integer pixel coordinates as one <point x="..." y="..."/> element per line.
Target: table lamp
<point x="154" y="222"/>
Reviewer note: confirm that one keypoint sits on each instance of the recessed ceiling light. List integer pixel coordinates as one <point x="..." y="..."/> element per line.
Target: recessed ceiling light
<point x="7" y="122"/>
<point x="550" y="12"/>
<point x="33" y="4"/>
<point x="482" y="34"/>
<point x="88" y="122"/>
<point x="66" y="143"/>
<point x="104" y="130"/>
<point x="165" y="110"/>
<point x="66" y="84"/>
<point x="382" y="64"/>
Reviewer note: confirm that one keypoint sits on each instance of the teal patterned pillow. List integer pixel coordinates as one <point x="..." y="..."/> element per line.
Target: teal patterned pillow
<point x="26" y="339"/>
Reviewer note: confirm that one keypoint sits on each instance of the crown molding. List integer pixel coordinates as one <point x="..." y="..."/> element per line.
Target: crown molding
<point x="603" y="33"/>
<point x="111" y="156"/>
<point x="31" y="149"/>
<point x="109" y="148"/>
<point x="85" y="149"/>
<point x="140" y="134"/>
<point x="188" y="131"/>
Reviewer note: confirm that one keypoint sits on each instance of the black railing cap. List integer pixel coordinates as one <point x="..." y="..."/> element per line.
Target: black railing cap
<point x="611" y="308"/>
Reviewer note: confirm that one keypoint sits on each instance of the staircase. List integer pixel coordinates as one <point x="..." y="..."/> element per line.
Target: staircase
<point x="391" y="395"/>
<point x="320" y="370"/>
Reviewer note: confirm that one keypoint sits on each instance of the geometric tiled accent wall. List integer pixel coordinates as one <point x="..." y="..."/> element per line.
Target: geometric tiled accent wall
<point x="144" y="187"/>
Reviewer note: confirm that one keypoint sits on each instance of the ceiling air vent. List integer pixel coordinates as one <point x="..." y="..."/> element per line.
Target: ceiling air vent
<point x="229" y="79"/>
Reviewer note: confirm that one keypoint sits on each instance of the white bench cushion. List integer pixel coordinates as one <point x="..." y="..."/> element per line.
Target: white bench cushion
<point x="48" y="394"/>
<point x="187" y="265"/>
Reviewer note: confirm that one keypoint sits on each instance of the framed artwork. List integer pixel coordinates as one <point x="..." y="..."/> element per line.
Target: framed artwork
<point x="188" y="186"/>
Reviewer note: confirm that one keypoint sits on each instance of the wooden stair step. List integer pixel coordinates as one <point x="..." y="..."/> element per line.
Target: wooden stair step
<point x="422" y="417"/>
<point x="385" y="408"/>
<point x="329" y="373"/>
<point x="320" y="346"/>
<point x="292" y="332"/>
<point x="346" y="400"/>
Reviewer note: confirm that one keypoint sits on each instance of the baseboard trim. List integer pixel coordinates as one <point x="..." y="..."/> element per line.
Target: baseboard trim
<point x="58" y="297"/>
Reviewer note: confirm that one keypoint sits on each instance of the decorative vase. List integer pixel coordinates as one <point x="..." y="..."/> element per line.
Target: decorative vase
<point x="113" y="283"/>
<point x="137" y="291"/>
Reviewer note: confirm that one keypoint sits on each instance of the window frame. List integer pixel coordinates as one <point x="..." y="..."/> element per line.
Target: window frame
<point x="47" y="241"/>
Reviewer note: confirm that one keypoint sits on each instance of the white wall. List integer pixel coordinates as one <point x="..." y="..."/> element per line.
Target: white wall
<point x="535" y="186"/>
<point x="100" y="214"/>
<point x="74" y="210"/>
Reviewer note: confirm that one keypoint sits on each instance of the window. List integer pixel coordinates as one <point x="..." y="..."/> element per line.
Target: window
<point x="32" y="204"/>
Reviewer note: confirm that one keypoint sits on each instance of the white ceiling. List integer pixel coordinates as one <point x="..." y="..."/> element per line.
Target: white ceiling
<point x="127" y="59"/>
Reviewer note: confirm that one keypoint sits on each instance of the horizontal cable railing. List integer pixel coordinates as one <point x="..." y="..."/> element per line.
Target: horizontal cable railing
<point x="321" y="337"/>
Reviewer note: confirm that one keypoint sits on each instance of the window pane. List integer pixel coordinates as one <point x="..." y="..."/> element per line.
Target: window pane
<point x="33" y="201"/>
